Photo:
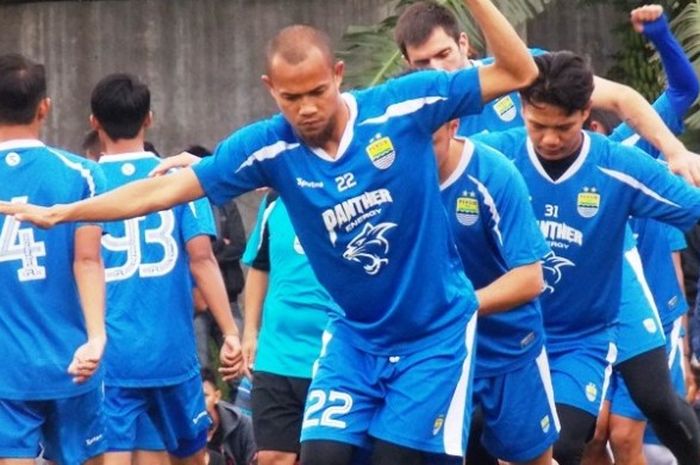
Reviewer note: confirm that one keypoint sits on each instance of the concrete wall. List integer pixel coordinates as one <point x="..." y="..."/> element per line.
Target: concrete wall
<point x="202" y="58"/>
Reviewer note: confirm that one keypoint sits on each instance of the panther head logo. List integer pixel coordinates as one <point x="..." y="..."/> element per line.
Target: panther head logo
<point x="552" y="270"/>
<point x="370" y="247"/>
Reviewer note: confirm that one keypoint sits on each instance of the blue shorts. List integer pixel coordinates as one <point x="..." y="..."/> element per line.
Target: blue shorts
<point x="621" y="403"/>
<point x="72" y="430"/>
<point x="155" y="418"/>
<point x="520" y="419"/>
<point x="674" y="349"/>
<point x="639" y="328"/>
<point x="419" y="400"/>
<point x="580" y="375"/>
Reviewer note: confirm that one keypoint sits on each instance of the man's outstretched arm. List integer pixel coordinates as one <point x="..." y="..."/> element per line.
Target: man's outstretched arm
<point x="132" y="200"/>
<point x="513" y="67"/>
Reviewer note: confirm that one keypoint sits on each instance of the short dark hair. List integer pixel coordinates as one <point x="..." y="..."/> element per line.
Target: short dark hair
<point x="418" y="21"/>
<point x="565" y="80"/>
<point x="606" y="118"/>
<point x="198" y="150"/>
<point x="293" y="43"/>
<point x="22" y="87"/>
<point x="120" y="102"/>
<point x="91" y="142"/>
<point x="208" y="376"/>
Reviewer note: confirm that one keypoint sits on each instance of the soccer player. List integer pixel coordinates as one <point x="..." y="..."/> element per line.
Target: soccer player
<point x="283" y="292"/>
<point x="583" y="189"/>
<point x="152" y="373"/>
<point x="429" y="37"/>
<point x="52" y="311"/>
<point x="358" y="177"/>
<point x="501" y="247"/>
<point x="656" y="243"/>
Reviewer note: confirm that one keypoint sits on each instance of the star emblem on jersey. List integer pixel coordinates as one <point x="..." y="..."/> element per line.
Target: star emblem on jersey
<point x="381" y="152"/>
<point x="505" y="108"/>
<point x="13" y="159"/>
<point x="467" y="208"/>
<point x="370" y="247"/>
<point x="588" y="202"/>
<point x="552" y="268"/>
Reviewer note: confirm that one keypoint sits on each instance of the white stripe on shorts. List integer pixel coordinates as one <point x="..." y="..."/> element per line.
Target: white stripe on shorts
<point x="610" y="358"/>
<point x="546" y="377"/>
<point x="454" y="420"/>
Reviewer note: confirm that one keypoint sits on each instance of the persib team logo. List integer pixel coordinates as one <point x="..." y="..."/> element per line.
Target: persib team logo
<point x="467" y="209"/>
<point x="381" y="152"/>
<point x="505" y="108"/>
<point x="588" y="202"/>
<point x="437" y="425"/>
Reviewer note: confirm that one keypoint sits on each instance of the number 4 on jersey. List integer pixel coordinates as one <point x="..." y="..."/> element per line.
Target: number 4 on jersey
<point x="19" y="244"/>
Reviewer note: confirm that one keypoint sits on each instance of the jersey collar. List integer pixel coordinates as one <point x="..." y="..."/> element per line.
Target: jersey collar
<point x="572" y="170"/>
<point x="467" y="153"/>
<point x="21" y="144"/>
<point x="348" y="133"/>
<point x="126" y="157"/>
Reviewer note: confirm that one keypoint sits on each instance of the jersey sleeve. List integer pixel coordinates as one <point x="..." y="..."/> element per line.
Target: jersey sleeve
<point x="197" y="220"/>
<point x="511" y="218"/>
<point x="95" y="184"/>
<point x="433" y="97"/>
<point x="504" y="142"/>
<point x="232" y="170"/>
<point x="676" y="238"/>
<point x="656" y="192"/>
<point x="257" y="235"/>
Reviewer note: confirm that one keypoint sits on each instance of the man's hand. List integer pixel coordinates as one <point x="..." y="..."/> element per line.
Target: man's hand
<point x="250" y="349"/>
<point x="230" y="358"/>
<point x="182" y="160"/>
<point x="86" y="359"/>
<point x="43" y="217"/>
<point x="645" y="14"/>
<point x="686" y="164"/>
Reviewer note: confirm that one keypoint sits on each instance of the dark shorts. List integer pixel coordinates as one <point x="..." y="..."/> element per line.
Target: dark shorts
<point x="278" y="408"/>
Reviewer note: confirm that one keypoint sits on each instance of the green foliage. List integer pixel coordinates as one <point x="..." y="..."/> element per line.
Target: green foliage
<point x="372" y="55"/>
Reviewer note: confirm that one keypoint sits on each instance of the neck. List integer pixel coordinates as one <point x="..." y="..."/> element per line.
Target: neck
<point x="122" y="146"/>
<point x="29" y="131"/>
<point x="449" y="163"/>
<point x="333" y="143"/>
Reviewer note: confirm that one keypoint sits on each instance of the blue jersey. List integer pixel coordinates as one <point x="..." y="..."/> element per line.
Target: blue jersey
<point x="657" y="241"/>
<point x="499" y="114"/>
<point x="149" y="287"/>
<point x="296" y="307"/>
<point x="41" y="318"/>
<point x="583" y="215"/>
<point x="371" y="218"/>
<point x="495" y="231"/>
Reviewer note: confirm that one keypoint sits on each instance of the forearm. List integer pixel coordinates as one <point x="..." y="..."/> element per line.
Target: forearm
<point x="134" y="199"/>
<point x="508" y="49"/>
<point x="516" y="287"/>
<point x="90" y="280"/>
<point x="253" y="299"/>
<point x="682" y="81"/>
<point x="633" y="109"/>
<point x="211" y="285"/>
